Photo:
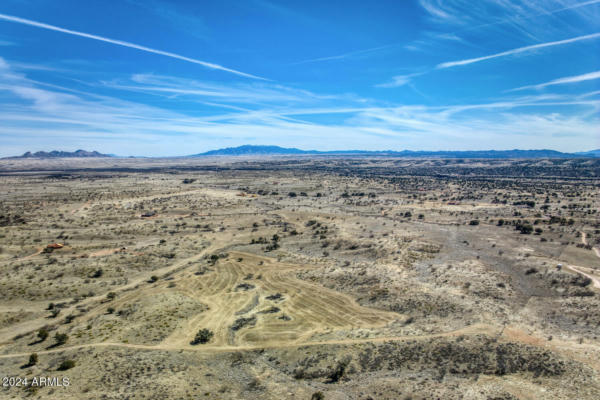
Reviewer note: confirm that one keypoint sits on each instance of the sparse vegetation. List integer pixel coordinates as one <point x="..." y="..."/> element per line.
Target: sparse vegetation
<point x="394" y="277"/>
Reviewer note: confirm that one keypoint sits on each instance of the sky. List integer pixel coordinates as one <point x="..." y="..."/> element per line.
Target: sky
<point x="180" y="77"/>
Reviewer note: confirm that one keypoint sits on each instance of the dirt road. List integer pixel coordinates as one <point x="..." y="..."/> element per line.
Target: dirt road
<point x="475" y="329"/>
<point x="579" y="270"/>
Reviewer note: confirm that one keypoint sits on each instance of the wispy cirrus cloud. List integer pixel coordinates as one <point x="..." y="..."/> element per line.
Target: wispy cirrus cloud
<point x="510" y="16"/>
<point x="561" y="81"/>
<point x="209" y="65"/>
<point x="46" y="115"/>
<point x="518" y="50"/>
<point x="436" y="9"/>
<point x="399" y="80"/>
<point x="351" y="54"/>
<point x="180" y="17"/>
<point x="255" y="93"/>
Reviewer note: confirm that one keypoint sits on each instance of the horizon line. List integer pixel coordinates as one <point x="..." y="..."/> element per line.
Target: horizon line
<point x="305" y="151"/>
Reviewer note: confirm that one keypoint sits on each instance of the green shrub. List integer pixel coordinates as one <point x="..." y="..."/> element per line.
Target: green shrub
<point x="66" y="364"/>
<point x="61" y="338"/>
<point x="42" y="334"/>
<point x="203" y="336"/>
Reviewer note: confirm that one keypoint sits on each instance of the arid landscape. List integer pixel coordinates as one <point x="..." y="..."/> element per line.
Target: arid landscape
<point x="301" y="277"/>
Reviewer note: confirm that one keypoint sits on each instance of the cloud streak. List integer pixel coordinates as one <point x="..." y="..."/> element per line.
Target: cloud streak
<point x="513" y="14"/>
<point x="399" y="80"/>
<point x="561" y="81"/>
<point x="253" y="93"/>
<point x="205" y="64"/>
<point x="518" y="50"/>
<point x="345" y="55"/>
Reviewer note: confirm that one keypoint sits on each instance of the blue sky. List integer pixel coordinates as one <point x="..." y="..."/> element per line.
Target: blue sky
<point x="157" y="77"/>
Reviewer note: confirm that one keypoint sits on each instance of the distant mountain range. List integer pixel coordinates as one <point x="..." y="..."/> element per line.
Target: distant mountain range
<point x="248" y="150"/>
<point x="62" y="154"/>
<point x="591" y="153"/>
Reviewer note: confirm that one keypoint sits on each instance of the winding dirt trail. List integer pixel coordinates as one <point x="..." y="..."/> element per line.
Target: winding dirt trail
<point x="584" y="241"/>
<point x="474" y="329"/>
<point x="38" y="252"/>
<point x="578" y="269"/>
<point x="81" y="207"/>
<point x="590" y="271"/>
<point x="313" y="309"/>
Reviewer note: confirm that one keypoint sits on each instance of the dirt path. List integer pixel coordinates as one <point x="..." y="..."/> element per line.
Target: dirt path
<point x="38" y="252"/>
<point x="81" y="207"/>
<point x="584" y="241"/>
<point x="475" y="329"/>
<point x="578" y="269"/>
<point x="104" y="252"/>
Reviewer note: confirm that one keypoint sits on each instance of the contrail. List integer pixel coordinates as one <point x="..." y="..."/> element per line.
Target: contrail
<point x="345" y="55"/>
<point x="569" y="79"/>
<point x="125" y="44"/>
<point x="516" y="51"/>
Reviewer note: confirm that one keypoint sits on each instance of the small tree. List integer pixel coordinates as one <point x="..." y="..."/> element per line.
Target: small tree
<point x="42" y="334"/>
<point x="61" y="338"/>
<point x="203" y="336"/>
<point x="33" y="359"/>
<point x="338" y="371"/>
<point x="526" y="229"/>
<point x="66" y="364"/>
